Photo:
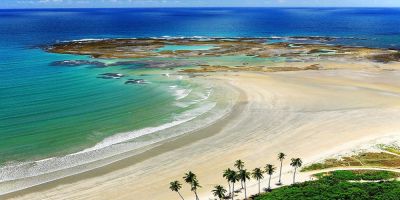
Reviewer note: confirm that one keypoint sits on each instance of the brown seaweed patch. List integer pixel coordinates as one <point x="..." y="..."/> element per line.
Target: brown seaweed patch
<point x="221" y="68"/>
<point x="387" y="57"/>
<point x="313" y="67"/>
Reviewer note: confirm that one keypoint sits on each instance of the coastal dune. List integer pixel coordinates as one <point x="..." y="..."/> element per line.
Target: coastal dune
<point x="306" y="114"/>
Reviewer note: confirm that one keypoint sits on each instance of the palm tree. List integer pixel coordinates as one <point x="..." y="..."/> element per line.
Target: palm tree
<point x="258" y="175"/>
<point x="176" y="186"/>
<point x="296" y="163"/>
<point x="233" y="178"/>
<point x="244" y="175"/>
<point x="226" y="175"/>
<point x="219" y="191"/>
<point x="281" y="157"/>
<point x="191" y="178"/>
<point x="195" y="184"/>
<point x="239" y="164"/>
<point x="269" y="169"/>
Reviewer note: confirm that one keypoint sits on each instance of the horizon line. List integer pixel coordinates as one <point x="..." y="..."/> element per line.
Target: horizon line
<point x="167" y="7"/>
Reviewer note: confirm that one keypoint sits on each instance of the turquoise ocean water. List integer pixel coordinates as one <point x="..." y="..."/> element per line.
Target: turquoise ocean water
<point x="56" y="118"/>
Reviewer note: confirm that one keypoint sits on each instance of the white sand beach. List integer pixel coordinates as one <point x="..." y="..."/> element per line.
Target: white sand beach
<point x="306" y="114"/>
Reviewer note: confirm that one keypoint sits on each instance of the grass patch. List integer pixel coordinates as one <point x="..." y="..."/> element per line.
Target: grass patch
<point x="390" y="148"/>
<point x="380" y="159"/>
<point x="357" y="175"/>
<point x="328" y="163"/>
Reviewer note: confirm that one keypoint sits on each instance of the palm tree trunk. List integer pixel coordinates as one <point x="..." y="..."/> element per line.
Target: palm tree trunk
<point x="181" y="195"/>
<point x="233" y="190"/>
<point x="269" y="182"/>
<point x="280" y="174"/>
<point x="197" y="197"/>
<point x="241" y="184"/>
<point x="294" y="175"/>
<point x="259" y="189"/>
<point x="245" y="192"/>
<point x="229" y="185"/>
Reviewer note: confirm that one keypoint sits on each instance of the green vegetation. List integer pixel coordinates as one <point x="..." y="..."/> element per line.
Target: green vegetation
<point x="357" y="175"/>
<point x="375" y="159"/>
<point x="341" y="184"/>
<point x="330" y="188"/>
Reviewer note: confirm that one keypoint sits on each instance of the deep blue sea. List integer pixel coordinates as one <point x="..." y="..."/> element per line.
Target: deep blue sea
<point x="48" y="111"/>
<point x="36" y="27"/>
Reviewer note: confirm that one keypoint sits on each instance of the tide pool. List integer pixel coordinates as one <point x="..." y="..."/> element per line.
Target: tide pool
<point x="185" y="48"/>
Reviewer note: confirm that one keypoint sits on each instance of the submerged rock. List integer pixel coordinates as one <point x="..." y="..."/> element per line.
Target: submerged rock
<point x="75" y="63"/>
<point x="111" y="76"/>
<point x="166" y="64"/>
<point x="152" y="64"/>
<point x="136" y="81"/>
<point x="125" y="63"/>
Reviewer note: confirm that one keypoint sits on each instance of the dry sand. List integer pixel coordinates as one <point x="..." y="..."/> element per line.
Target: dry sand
<point x="307" y="114"/>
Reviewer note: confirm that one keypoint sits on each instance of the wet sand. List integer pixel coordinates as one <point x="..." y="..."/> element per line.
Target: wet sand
<point x="307" y="114"/>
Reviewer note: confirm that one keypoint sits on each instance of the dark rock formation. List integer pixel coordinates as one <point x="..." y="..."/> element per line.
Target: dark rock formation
<point x="111" y="76"/>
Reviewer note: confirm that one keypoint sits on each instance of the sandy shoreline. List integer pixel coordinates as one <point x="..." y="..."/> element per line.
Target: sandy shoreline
<point x="149" y="151"/>
<point x="307" y="114"/>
